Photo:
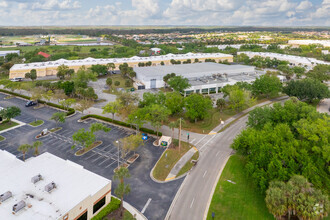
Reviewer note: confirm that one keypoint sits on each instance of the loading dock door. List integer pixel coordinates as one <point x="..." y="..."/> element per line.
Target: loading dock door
<point x="153" y="84"/>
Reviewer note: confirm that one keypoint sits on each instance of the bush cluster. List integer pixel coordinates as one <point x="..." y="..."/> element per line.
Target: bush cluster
<point x="146" y="130"/>
<point x="112" y="206"/>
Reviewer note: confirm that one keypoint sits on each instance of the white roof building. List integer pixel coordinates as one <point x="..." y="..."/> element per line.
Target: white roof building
<point x="201" y="76"/>
<point x="325" y="43"/>
<point x="294" y="60"/>
<point x="6" y="52"/>
<point x="135" y="59"/>
<point x="76" y="189"/>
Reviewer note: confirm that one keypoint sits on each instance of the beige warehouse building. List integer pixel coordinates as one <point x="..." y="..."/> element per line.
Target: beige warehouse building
<point x="48" y="187"/>
<point x="50" y="68"/>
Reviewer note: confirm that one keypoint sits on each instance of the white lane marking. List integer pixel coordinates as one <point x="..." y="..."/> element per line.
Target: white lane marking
<point x="192" y="202"/>
<point x="201" y="139"/>
<point x="146" y="205"/>
<point x="204" y="173"/>
<point x="207" y="142"/>
<point x="217" y="153"/>
<point x="192" y="141"/>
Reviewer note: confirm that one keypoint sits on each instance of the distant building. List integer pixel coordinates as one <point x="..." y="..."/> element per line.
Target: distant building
<point x="49" y="68"/>
<point x="6" y="52"/>
<point x="44" y="54"/>
<point x="155" y="50"/>
<point x="293" y="60"/>
<point x="204" y="77"/>
<point x="325" y="43"/>
<point x="48" y="187"/>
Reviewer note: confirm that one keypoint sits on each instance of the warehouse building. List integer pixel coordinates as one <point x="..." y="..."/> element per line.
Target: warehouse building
<point x="204" y="77"/>
<point x="293" y="60"/>
<point x="6" y="52"/>
<point x="324" y="43"/>
<point x="50" y="68"/>
<point x="48" y="187"/>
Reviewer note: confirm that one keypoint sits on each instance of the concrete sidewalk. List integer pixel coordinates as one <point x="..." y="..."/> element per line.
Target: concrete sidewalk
<point x="178" y="166"/>
<point x="229" y="120"/>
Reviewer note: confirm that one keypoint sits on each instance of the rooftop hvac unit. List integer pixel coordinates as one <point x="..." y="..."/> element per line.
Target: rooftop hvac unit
<point x="36" y="178"/>
<point x="5" y="196"/>
<point x="49" y="187"/>
<point x="18" y="206"/>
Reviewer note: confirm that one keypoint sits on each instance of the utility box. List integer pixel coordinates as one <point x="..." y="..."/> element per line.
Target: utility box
<point x="49" y="187"/>
<point x="5" y="196"/>
<point x="36" y="178"/>
<point x="19" y="206"/>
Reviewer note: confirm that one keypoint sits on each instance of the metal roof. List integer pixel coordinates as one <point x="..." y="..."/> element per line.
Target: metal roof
<point x="93" y="61"/>
<point x="191" y="70"/>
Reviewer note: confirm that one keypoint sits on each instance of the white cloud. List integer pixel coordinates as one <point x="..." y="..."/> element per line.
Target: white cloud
<point x="3" y="4"/>
<point x="155" y="12"/>
<point x="323" y="11"/>
<point x="304" y="5"/>
<point x="56" y="4"/>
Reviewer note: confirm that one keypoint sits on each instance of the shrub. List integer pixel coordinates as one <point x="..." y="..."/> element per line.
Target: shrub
<point x="145" y="130"/>
<point x="117" y="83"/>
<point x="112" y="206"/>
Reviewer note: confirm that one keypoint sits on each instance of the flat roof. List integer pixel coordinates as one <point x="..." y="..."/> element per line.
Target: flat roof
<point x="93" y="61"/>
<point x="191" y="70"/>
<point x="290" y="58"/>
<point x="2" y="52"/>
<point x="74" y="184"/>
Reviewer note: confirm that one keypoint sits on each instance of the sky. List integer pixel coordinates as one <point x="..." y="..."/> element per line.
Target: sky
<point x="165" y="12"/>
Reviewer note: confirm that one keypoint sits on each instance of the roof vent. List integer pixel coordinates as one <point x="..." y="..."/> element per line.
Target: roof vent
<point x="49" y="187"/>
<point x="5" y="196"/>
<point x="18" y="206"/>
<point x="36" y="178"/>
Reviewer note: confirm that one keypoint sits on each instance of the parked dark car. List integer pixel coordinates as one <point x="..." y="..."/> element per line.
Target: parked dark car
<point x="30" y="103"/>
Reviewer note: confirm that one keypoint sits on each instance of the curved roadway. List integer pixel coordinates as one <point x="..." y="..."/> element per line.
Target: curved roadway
<point x="193" y="197"/>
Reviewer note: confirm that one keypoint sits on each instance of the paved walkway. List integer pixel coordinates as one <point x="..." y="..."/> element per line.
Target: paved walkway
<point x="324" y="106"/>
<point x="178" y="166"/>
<point x="229" y="120"/>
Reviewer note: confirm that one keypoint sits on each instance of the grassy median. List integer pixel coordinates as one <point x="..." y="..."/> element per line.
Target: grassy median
<point x="241" y="200"/>
<point x="6" y="125"/>
<point x="36" y="123"/>
<point x="166" y="163"/>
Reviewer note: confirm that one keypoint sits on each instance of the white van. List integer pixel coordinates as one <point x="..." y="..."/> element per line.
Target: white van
<point x="17" y="79"/>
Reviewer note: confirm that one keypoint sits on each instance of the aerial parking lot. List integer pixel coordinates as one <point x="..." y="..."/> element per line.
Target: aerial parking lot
<point x="149" y="197"/>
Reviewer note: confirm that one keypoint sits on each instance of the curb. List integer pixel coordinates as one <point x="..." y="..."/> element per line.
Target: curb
<point x="213" y="188"/>
<point x="20" y="124"/>
<point x="138" y="215"/>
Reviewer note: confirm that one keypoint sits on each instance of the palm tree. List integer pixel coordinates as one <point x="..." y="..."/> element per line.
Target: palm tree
<point x="36" y="146"/>
<point x="172" y="125"/>
<point x="24" y="148"/>
<point x="122" y="189"/>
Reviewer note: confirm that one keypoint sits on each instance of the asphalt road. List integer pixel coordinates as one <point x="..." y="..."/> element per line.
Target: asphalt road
<point x="152" y="198"/>
<point x="192" y="198"/>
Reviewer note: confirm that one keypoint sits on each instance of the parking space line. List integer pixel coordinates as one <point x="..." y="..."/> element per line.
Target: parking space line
<point x="146" y="206"/>
<point x="104" y="161"/>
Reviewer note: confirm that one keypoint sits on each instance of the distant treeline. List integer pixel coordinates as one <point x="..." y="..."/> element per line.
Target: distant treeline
<point x="138" y="30"/>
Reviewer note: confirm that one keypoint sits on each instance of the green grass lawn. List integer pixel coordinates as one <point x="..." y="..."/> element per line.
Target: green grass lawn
<point x="2" y="138"/>
<point x="188" y="165"/>
<point x="210" y="122"/>
<point x="6" y="125"/>
<point x="242" y="200"/>
<point x="121" y="80"/>
<point x="166" y="163"/>
<point x="36" y="123"/>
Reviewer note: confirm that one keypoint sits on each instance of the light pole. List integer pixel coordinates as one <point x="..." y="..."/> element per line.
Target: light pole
<point x="136" y="124"/>
<point x="118" y="153"/>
